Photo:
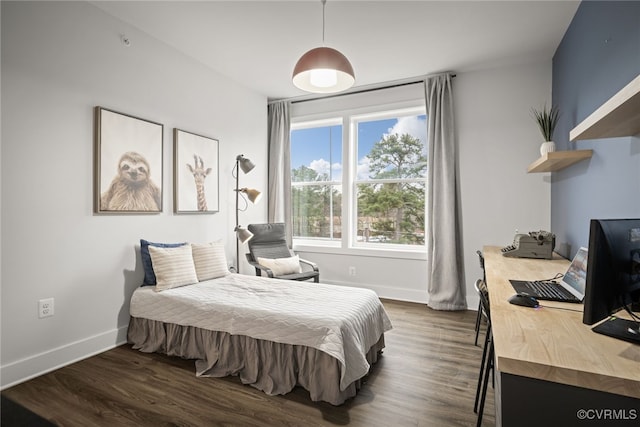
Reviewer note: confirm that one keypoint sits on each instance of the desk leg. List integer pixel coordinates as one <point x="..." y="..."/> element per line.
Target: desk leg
<point x="498" y="397"/>
<point x="531" y="402"/>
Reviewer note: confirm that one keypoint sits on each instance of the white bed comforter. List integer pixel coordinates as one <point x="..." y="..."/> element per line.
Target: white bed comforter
<point x="343" y="322"/>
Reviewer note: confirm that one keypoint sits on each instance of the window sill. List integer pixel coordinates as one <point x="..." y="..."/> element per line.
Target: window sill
<point x="372" y="252"/>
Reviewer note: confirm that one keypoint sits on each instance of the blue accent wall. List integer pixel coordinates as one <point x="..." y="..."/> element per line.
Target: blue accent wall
<point x="598" y="56"/>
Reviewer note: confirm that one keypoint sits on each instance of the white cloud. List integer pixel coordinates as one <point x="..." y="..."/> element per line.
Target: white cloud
<point x="363" y="168"/>
<point x="337" y="171"/>
<point x="321" y="166"/>
<point x="413" y="126"/>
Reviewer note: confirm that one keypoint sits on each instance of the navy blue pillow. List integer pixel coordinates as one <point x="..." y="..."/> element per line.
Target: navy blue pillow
<point x="149" y="275"/>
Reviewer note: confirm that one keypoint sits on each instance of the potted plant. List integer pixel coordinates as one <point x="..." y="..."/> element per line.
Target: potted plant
<point x="547" y="120"/>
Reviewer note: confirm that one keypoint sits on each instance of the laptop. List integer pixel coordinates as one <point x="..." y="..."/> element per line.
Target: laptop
<point x="569" y="289"/>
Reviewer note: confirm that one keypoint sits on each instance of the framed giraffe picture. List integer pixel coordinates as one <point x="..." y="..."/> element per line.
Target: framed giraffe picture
<point x="195" y="173"/>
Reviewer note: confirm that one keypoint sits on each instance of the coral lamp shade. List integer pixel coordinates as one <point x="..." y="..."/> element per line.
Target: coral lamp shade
<point x="253" y="195"/>
<point x="323" y="70"/>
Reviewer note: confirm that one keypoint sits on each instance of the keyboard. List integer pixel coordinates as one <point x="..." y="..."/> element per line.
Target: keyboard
<point x="549" y="291"/>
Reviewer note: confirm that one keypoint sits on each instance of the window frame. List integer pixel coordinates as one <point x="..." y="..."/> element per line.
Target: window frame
<point x="354" y="121"/>
<point x="348" y="244"/>
<point x="327" y="122"/>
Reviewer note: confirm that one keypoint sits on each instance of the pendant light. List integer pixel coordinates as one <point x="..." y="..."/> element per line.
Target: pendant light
<point x="323" y="69"/>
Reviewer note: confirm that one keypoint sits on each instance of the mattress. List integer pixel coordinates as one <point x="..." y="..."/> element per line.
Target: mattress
<point x="343" y="322"/>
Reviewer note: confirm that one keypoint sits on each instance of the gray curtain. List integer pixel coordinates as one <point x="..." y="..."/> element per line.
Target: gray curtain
<point x="279" y="176"/>
<point x="445" y="277"/>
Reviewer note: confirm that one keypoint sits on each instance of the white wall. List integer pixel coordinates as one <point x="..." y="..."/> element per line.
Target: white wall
<point x="498" y="138"/>
<point x="59" y="60"/>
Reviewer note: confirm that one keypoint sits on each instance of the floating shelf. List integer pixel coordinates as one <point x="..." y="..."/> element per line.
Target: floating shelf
<point x="556" y="160"/>
<point x="619" y="116"/>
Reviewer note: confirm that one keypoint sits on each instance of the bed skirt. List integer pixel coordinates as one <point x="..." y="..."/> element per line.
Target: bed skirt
<point x="271" y="367"/>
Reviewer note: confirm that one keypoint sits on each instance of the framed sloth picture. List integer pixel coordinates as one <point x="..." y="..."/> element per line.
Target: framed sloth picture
<point x="128" y="164"/>
<point x="195" y="173"/>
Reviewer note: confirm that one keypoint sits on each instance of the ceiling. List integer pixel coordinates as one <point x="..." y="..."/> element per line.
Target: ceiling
<point x="257" y="43"/>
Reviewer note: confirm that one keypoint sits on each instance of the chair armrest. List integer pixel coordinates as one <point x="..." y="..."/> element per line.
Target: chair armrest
<point x="259" y="267"/>
<point x="310" y="264"/>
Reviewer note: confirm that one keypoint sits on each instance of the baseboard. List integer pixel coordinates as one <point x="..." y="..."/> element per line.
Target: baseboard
<point x="409" y="295"/>
<point x="473" y="302"/>
<point x="25" y="369"/>
<point x="395" y="293"/>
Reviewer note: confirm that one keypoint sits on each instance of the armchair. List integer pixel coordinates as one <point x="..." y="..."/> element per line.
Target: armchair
<point x="269" y="242"/>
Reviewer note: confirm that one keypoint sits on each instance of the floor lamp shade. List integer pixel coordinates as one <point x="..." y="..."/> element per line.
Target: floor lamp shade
<point x="245" y="164"/>
<point x="323" y="70"/>
<point x="243" y="234"/>
<point x="253" y="195"/>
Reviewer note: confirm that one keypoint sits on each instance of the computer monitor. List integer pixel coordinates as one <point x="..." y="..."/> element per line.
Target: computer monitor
<point x="613" y="274"/>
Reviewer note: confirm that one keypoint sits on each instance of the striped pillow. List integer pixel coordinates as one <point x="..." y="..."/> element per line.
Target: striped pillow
<point x="149" y="276"/>
<point x="210" y="260"/>
<point x="173" y="267"/>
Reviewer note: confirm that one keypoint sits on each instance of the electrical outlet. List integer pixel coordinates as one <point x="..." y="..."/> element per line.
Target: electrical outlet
<point x="45" y="308"/>
<point x="352" y="271"/>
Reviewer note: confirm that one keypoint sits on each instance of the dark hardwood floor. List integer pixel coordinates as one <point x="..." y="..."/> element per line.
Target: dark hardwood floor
<point x="427" y="376"/>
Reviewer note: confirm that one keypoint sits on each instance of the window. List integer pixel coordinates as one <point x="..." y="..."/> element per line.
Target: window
<point x="360" y="180"/>
<point x="391" y="179"/>
<point x="316" y="180"/>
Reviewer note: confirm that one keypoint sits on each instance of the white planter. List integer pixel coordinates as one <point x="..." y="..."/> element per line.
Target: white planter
<point x="547" y="147"/>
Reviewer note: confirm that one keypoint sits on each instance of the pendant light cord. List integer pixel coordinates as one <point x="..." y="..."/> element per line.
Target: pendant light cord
<point x="323" y="4"/>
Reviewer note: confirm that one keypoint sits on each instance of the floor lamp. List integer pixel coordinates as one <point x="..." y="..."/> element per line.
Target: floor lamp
<point x="242" y="234"/>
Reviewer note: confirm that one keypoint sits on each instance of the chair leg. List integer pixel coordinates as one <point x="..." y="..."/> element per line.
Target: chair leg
<point x="483" y="366"/>
<point x="489" y="368"/>
<point x="478" y="319"/>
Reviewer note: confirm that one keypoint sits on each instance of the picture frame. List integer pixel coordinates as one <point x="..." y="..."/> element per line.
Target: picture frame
<point x="128" y="172"/>
<point x="196" y="173"/>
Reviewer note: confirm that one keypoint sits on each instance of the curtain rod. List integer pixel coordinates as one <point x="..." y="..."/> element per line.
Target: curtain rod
<point x="357" y="91"/>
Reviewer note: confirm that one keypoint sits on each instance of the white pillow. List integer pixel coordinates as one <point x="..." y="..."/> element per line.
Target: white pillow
<point x="282" y="266"/>
<point x="173" y="267"/>
<point x="210" y="260"/>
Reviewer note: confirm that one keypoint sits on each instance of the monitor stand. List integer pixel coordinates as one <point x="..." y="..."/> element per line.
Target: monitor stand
<point x="619" y="328"/>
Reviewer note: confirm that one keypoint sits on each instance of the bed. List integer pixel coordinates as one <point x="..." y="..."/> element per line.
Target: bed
<point x="273" y="334"/>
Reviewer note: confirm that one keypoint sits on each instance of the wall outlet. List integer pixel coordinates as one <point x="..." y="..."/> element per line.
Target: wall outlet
<point x="352" y="271"/>
<point x="45" y="307"/>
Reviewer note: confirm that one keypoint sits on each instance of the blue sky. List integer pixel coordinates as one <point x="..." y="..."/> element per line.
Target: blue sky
<point x="320" y="147"/>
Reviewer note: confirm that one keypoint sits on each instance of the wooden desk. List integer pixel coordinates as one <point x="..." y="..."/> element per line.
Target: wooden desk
<point x="549" y="364"/>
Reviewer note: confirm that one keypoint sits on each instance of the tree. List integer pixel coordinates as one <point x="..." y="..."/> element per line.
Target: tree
<point x="312" y="203"/>
<point x="306" y="174"/>
<point x="399" y="206"/>
<point x="397" y="157"/>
